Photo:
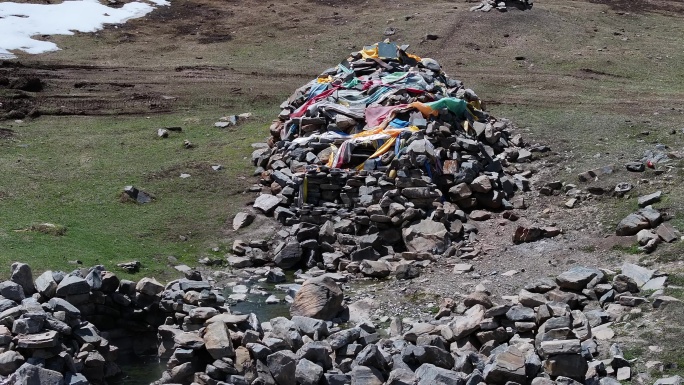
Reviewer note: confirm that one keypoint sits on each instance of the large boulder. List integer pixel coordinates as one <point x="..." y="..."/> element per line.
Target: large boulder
<point x="318" y="297"/>
<point x="217" y="340"/>
<point x="426" y="235"/>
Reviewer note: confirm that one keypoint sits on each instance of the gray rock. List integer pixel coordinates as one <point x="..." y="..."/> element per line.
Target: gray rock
<point x="242" y="219"/>
<point x="29" y="374"/>
<point x="308" y="373"/>
<point x="289" y="256"/>
<point x="481" y="184"/>
<point x="653" y="216"/>
<point x="12" y="290"/>
<point x="59" y="304"/>
<point x="468" y="323"/>
<point x="147" y="286"/>
<point x="418" y="355"/>
<point x="110" y="282"/>
<point x="578" y="278"/>
<point x="283" y="367"/>
<point x="427" y="235"/>
<point x="29" y="324"/>
<point x="343" y="337"/>
<point x="48" y="339"/>
<point x="667" y="233"/>
<point x="401" y="377"/>
<point x="635" y="166"/>
<point x="519" y="313"/>
<point x="549" y="348"/>
<point x="674" y="380"/>
<point x="567" y="365"/>
<point x="649" y="199"/>
<point x="266" y="203"/>
<point x="377" y="269"/>
<point x="509" y="365"/>
<point x="72" y="285"/>
<point x="94" y="279"/>
<point x="371" y="356"/>
<point x="319" y="298"/>
<point x="363" y="375"/>
<point x="654" y="284"/>
<point x="75" y="379"/>
<point x="318" y="352"/>
<point x="46" y="285"/>
<point x="639" y="274"/>
<point x="276" y="275"/>
<point x="310" y="326"/>
<point x="529" y="299"/>
<point x="180" y="374"/>
<point x="21" y="274"/>
<point x="10" y="361"/>
<point x="239" y="262"/>
<point x="631" y="225"/>
<point x="217" y="340"/>
<point x="429" y="374"/>
<point x="623" y="283"/>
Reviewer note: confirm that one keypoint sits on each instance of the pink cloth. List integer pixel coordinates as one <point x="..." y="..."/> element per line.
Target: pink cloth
<point x="377" y="114"/>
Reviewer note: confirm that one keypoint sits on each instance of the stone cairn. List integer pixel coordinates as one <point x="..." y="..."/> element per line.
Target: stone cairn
<point x="69" y="329"/>
<point x="384" y="155"/>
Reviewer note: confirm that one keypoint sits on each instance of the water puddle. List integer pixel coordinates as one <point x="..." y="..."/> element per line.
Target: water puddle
<point x="139" y="370"/>
<point x="19" y="22"/>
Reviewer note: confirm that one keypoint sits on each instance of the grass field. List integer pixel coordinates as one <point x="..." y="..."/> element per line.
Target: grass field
<point x="70" y="171"/>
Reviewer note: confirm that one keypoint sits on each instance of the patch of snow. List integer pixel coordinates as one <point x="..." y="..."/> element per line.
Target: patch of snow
<point x="19" y="22"/>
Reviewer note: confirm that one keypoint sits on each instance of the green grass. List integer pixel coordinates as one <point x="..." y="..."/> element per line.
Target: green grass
<point x="634" y="249"/>
<point x="71" y="171"/>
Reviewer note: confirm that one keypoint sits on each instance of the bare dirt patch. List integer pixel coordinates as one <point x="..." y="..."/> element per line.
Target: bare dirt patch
<point x="665" y="7"/>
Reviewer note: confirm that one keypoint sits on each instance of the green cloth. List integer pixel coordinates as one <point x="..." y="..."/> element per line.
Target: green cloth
<point x="352" y="83"/>
<point x="455" y="105"/>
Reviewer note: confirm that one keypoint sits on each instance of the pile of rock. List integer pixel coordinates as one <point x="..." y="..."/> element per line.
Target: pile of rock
<point x="386" y="153"/>
<point x="648" y="224"/>
<point x="550" y="333"/>
<point x="70" y="328"/>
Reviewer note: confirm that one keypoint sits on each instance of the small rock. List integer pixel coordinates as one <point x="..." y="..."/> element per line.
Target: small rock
<point x="649" y="199"/>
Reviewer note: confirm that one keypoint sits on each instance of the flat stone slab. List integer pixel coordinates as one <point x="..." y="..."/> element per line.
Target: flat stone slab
<point x="49" y="339"/>
<point x="461" y="268"/>
<point x="649" y="199"/>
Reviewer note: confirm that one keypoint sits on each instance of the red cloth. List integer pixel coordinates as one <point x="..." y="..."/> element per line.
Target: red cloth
<point x="301" y="110"/>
